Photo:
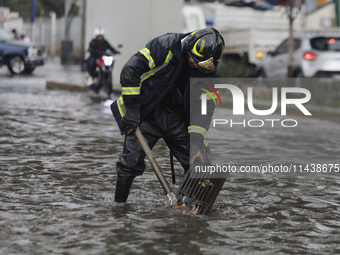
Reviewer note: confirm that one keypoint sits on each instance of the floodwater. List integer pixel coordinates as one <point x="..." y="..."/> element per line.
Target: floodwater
<point x="57" y="160"/>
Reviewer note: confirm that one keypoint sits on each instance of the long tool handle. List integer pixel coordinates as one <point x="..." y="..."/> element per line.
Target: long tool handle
<point x="156" y="168"/>
<point x="171" y="196"/>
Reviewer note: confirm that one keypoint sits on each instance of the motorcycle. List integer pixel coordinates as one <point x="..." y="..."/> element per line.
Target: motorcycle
<point x="102" y="74"/>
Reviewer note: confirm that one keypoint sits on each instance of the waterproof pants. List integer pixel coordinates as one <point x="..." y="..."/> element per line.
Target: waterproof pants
<point x="163" y="122"/>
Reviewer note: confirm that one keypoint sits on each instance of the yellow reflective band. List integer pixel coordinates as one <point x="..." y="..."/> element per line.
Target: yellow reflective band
<point x="195" y="32"/>
<point x="202" y="46"/>
<point x="131" y="90"/>
<point x="131" y="93"/>
<point x="126" y="88"/>
<point x="119" y="103"/>
<point x="205" y="142"/>
<point x="197" y="129"/>
<point x="153" y="71"/>
<point x="221" y="54"/>
<point x="147" y="55"/>
<point x="194" y="49"/>
<point x="128" y="91"/>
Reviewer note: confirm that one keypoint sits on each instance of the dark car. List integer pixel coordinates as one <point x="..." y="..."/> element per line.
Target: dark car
<point x="20" y="56"/>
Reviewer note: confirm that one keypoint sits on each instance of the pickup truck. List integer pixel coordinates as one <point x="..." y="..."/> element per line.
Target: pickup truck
<point x="20" y="56"/>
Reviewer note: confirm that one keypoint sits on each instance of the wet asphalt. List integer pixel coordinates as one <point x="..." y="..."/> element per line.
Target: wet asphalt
<point x="57" y="161"/>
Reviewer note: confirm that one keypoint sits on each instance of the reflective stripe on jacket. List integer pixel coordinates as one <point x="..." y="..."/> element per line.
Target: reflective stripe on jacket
<point x="150" y="74"/>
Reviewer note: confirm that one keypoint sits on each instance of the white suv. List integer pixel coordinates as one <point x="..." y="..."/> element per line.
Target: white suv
<point x="314" y="53"/>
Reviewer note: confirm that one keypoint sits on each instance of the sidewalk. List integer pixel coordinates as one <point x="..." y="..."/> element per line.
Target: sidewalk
<point x="73" y="79"/>
<point x="66" y="77"/>
<point x="51" y="71"/>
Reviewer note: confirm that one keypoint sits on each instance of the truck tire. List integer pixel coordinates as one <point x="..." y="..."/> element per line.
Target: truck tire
<point x="16" y="65"/>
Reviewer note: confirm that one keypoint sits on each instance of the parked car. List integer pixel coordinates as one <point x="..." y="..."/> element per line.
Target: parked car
<point x="20" y="56"/>
<point x="314" y="54"/>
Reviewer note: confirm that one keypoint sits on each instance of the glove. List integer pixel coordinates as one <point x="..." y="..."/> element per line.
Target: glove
<point x="198" y="150"/>
<point x="131" y="120"/>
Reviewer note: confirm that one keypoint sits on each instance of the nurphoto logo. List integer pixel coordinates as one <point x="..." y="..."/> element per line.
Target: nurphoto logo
<point x="239" y="105"/>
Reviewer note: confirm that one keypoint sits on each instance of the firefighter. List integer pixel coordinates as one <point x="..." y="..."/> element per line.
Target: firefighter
<point x="156" y="91"/>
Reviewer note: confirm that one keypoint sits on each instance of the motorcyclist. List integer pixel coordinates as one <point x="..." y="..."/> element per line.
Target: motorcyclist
<point x="156" y="92"/>
<point x="98" y="46"/>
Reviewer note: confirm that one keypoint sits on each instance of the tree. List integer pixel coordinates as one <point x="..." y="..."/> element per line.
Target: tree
<point x="293" y="8"/>
<point x="23" y="7"/>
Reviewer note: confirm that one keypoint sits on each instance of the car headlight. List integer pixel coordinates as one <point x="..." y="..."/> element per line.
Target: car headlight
<point x="32" y="52"/>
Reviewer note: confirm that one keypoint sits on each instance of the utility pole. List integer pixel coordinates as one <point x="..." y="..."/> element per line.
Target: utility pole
<point x="337" y="12"/>
<point x="53" y="33"/>
<point x="68" y="4"/>
<point x="42" y="27"/>
<point x="83" y="26"/>
<point x="67" y="44"/>
<point x="293" y="8"/>
<point x="33" y="5"/>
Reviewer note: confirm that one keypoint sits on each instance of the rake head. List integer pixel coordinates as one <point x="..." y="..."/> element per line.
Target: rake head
<point x="198" y="192"/>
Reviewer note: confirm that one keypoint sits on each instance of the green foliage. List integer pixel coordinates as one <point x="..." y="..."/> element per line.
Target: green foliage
<point x="231" y="67"/>
<point x="43" y="7"/>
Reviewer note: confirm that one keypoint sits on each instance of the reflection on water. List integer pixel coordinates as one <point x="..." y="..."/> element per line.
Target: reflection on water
<point x="58" y="153"/>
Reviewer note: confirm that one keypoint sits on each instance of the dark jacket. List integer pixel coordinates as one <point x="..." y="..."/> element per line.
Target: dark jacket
<point x="152" y="72"/>
<point x="98" y="48"/>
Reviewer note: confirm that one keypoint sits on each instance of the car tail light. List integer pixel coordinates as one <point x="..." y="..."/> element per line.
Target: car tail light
<point x="309" y="56"/>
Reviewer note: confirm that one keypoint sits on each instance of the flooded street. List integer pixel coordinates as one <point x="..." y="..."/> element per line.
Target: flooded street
<point x="57" y="160"/>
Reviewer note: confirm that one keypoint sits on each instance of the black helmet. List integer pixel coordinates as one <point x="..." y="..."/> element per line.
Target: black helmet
<point x="205" y="47"/>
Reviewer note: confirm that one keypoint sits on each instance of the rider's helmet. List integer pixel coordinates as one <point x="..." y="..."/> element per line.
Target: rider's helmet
<point x="205" y="47"/>
<point x="99" y="31"/>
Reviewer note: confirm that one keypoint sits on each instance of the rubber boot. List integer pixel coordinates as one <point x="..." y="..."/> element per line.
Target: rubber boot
<point x="123" y="186"/>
